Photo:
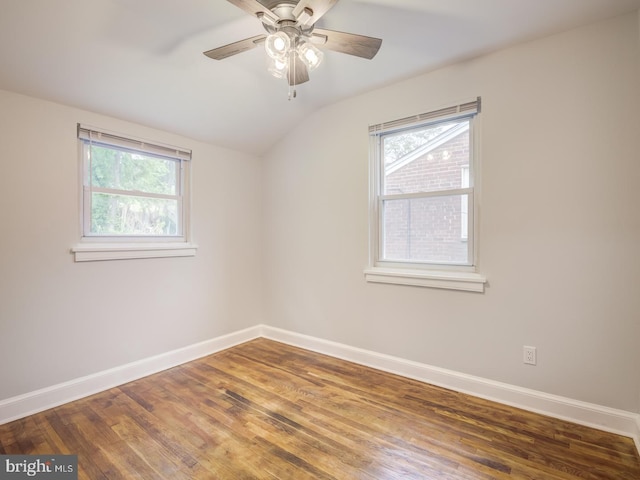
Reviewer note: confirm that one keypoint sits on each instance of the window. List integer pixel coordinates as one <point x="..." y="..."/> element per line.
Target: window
<point x="135" y="197"/>
<point x="423" y="199"/>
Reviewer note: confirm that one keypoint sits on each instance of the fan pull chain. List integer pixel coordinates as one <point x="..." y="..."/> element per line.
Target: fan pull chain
<point x="292" y="88"/>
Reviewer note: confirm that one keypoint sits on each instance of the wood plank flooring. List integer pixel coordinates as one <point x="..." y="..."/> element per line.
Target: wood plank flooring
<point x="264" y="410"/>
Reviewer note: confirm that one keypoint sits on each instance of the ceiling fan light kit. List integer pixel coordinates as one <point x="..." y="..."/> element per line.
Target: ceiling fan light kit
<point x="310" y="55"/>
<point x="277" y="45"/>
<point x="278" y="68"/>
<point x="292" y="41"/>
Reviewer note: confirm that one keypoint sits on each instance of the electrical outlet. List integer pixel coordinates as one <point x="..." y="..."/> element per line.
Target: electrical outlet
<point x="529" y="355"/>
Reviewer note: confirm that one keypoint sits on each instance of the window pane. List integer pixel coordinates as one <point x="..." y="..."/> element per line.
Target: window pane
<point x="426" y="159"/>
<point x="124" y="170"/>
<point x="131" y="215"/>
<point x="426" y="230"/>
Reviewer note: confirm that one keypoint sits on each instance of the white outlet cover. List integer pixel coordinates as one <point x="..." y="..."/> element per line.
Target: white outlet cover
<point x="529" y="355"/>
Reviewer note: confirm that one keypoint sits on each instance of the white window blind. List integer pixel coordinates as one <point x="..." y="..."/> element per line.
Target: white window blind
<point x="452" y="112"/>
<point x="98" y="136"/>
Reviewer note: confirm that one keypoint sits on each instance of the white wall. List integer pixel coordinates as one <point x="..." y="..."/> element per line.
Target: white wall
<point x="60" y="320"/>
<point x="559" y="226"/>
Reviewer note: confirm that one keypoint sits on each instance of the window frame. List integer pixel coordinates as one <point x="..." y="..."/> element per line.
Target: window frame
<point x="438" y="275"/>
<point x="93" y="247"/>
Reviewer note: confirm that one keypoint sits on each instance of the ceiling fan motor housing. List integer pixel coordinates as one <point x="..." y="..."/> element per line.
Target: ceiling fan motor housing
<point x="287" y="21"/>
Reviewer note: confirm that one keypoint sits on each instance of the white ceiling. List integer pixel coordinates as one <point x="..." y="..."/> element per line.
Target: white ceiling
<point x="141" y="60"/>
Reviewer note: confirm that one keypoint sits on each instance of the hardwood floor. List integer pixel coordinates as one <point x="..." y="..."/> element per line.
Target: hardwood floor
<point x="264" y="410"/>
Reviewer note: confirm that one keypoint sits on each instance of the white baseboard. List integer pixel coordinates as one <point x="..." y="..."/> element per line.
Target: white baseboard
<point x="597" y="416"/>
<point x="604" y="418"/>
<point x="49" y="397"/>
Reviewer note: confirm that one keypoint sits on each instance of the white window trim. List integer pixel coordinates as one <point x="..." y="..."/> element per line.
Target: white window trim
<point x="90" y="252"/>
<point x="451" y="277"/>
<point x="451" y="280"/>
<point x="100" y="248"/>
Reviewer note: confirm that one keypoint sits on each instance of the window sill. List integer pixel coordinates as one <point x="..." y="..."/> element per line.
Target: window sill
<point x="91" y="252"/>
<point x="465" y="281"/>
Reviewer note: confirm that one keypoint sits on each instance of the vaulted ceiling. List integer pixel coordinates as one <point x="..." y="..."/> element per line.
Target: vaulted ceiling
<point x="141" y="60"/>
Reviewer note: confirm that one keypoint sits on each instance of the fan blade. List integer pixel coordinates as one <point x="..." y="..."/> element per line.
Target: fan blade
<point x="235" y="48"/>
<point x="349" y="43"/>
<point x="255" y="8"/>
<point x="298" y="72"/>
<point x="318" y="7"/>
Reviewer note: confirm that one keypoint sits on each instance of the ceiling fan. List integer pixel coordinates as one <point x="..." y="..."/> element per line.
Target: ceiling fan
<point x="292" y="40"/>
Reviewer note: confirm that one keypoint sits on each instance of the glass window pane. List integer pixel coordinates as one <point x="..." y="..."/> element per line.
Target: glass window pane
<point x="124" y="170"/>
<point x="131" y="215"/>
<point x="426" y="159"/>
<point x="426" y="230"/>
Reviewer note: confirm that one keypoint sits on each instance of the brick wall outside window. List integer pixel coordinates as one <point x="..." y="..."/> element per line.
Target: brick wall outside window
<point x="427" y="229"/>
